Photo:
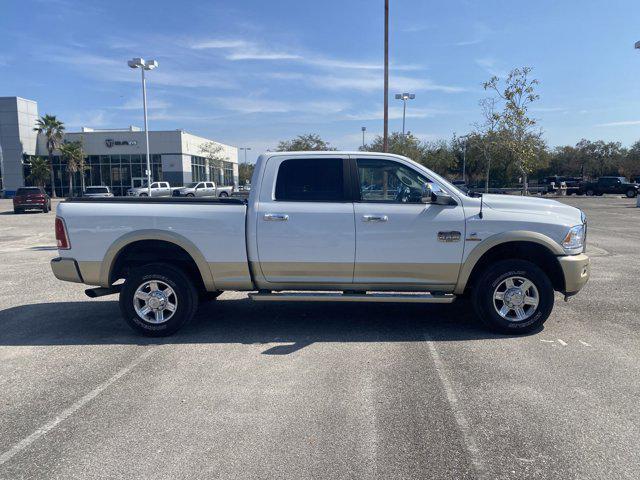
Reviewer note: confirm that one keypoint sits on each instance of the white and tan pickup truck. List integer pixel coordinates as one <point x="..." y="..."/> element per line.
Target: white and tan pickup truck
<point x="327" y="226"/>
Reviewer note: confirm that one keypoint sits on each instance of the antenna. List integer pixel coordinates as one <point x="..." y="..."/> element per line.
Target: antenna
<point x="480" y="213"/>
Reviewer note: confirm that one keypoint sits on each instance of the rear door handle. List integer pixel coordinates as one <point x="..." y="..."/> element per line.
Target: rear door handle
<point x="276" y="217"/>
<point x="374" y="218"/>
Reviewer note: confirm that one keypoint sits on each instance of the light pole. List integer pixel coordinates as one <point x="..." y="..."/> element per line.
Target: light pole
<point x="637" y="45"/>
<point x="145" y="65"/>
<point x="385" y="135"/>
<point x="364" y="129"/>
<point x="464" y="157"/>
<point x="404" y="97"/>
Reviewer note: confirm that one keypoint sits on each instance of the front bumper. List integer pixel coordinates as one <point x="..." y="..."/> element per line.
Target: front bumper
<point x="66" y="269"/>
<point x="576" y="270"/>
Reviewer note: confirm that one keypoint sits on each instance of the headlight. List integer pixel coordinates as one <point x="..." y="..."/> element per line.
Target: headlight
<point x="574" y="240"/>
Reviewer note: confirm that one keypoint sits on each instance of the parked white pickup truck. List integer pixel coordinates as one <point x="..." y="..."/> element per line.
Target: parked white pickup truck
<point x="158" y="189"/>
<point x="202" y="189"/>
<point x="327" y="226"/>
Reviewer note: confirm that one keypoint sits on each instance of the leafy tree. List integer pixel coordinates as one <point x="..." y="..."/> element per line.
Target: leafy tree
<point x="74" y="155"/>
<point x="308" y="142"/>
<point x="214" y="155"/>
<point x="400" y="144"/>
<point x="517" y="93"/>
<point x="439" y="156"/>
<point x="631" y="162"/>
<point x="53" y="130"/>
<point x="245" y="172"/>
<point x="39" y="171"/>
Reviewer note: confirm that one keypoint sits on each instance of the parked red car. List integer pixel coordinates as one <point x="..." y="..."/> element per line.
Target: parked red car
<point x="31" y="198"/>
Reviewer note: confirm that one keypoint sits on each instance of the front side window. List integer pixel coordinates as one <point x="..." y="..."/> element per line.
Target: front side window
<point x="311" y="180"/>
<point x="154" y="185"/>
<point x="391" y="182"/>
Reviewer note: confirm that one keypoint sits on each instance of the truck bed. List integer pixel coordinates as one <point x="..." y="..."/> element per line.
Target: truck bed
<point x="212" y="230"/>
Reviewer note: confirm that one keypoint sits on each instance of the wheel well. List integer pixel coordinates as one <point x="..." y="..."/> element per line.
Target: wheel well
<point x="143" y="252"/>
<point x="529" y="251"/>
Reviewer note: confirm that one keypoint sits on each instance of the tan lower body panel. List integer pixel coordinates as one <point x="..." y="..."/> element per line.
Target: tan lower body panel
<point x="91" y="273"/>
<point x="432" y="273"/>
<point x="231" y="275"/>
<point x="399" y="277"/>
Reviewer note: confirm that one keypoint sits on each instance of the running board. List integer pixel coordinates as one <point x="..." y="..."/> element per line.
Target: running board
<point x="340" y="297"/>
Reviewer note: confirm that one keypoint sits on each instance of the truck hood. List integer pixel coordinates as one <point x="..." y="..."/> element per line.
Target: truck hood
<point x="533" y="206"/>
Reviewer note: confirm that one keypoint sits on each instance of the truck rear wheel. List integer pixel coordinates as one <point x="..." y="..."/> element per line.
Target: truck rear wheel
<point x="157" y="299"/>
<point x="631" y="193"/>
<point x="513" y="297"/>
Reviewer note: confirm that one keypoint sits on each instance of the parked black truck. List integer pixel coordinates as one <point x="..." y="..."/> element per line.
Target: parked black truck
<point x="603" y="185"/>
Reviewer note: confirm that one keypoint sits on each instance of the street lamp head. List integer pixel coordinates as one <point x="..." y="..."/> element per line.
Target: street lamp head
<point x="405" y="96"/>
<point x="638" y="45"/>
<point x="136" y="63"/>
<point x="364" y="129"/>
<point x="151" y="64"/>
<point x="398" y="96"/>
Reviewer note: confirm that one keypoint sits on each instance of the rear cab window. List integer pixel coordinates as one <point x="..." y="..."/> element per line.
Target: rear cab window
<point x="311" y="180"/>
<point x="28" y="191"/>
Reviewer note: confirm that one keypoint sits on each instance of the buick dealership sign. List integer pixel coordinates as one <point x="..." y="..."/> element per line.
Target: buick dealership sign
<point x="110" y="142"/>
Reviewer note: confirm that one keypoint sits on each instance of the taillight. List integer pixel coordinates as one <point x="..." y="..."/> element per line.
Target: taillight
<point x="61" y="235"/>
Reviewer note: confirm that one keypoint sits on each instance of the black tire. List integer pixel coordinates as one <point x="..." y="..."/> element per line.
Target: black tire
<point x="224" y="194"/>
<point x="184" y="295"/>
<point x="144" y="195"/>
<point x="45" y="208"/>
<point x="189" y="195"/>
<point x="492" y="278"/>
<point x="631" y="193"/>
<point x="17" y="210"/>
<point x="590" y="192"/>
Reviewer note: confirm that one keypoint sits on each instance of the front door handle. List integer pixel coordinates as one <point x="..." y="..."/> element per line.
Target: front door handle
<point x="276" y="217"/>
<point x="374" y="218"/>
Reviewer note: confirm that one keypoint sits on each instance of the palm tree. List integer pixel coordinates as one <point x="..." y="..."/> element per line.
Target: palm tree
<point x="53" y="130"/>
<point x="72" y="152"/>
<point x="39" y="171"/>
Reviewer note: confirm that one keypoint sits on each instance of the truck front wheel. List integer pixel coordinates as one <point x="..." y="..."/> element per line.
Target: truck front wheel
<point x="631" y="193"/>
<point x="513" y="297"/>
<point x="157" y="299"/>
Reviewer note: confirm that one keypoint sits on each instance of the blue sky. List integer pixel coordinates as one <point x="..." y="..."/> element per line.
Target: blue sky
<point x="250" y="73"/>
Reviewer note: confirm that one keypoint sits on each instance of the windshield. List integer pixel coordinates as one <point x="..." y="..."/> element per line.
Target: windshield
<point x="97" y="190"/>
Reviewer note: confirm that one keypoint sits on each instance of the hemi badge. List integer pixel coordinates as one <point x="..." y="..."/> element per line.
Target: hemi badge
<point x="453" y="236"/>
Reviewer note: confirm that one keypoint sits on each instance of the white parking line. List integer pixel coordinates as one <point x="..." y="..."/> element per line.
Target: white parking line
<point x="66" y="413"/>
<point x="463" y="424"/>
<point x="585" y="343"/>
<point x="562" y="342"/>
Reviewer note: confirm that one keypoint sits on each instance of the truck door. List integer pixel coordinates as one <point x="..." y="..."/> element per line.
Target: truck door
<point x="305" y="224"/>
<point x="399" y="239"/>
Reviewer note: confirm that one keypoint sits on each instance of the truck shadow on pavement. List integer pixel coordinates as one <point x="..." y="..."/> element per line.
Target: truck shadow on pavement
<point x="293" y="325"/>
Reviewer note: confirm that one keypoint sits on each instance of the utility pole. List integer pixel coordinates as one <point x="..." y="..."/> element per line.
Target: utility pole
<point x="364" y="129"/>
<point x="385" y="138"/>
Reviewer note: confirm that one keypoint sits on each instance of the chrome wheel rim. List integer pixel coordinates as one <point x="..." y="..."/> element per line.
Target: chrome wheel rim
<point x="516" y="299"/>
<point x="155" y="301"/>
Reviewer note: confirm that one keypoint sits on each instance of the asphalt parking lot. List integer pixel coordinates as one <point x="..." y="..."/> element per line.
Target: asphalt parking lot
<point x="319" y="391"/>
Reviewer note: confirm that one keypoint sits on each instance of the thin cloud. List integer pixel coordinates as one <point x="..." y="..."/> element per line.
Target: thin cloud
<point x="369" y="82"/>
<point x="491" y="66"/>
<point x="624" y="123"/>
<point x="239" y="49"/>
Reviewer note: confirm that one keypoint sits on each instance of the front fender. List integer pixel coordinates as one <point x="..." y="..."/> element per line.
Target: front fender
<point x="499" y="239"/>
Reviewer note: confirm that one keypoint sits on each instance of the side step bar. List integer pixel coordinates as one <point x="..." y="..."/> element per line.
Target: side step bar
<point x="365" y="297"/>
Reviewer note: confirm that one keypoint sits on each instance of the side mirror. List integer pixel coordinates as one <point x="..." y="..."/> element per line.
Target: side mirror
<point x="440" y="198"/>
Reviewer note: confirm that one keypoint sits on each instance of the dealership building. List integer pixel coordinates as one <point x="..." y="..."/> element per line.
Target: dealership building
<point x="114" y="157"/>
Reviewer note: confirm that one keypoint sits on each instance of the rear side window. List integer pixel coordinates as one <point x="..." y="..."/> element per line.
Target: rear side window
<point x="28" y="191"/>
<point x="97" y="190"/>
<point x="311" y="180"/>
